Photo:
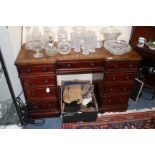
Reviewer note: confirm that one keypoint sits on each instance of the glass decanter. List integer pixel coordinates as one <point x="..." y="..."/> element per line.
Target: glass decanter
<point x="51" y="50"/>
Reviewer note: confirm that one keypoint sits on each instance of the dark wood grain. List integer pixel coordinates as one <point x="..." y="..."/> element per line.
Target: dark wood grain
<point x="119" y="77"/>
<point x="26" y="57"/>
<point x="39" y="81"/>
<point x="38" y="74"/>
<point x="46" y="105"/>
<point x="117" y="88"/>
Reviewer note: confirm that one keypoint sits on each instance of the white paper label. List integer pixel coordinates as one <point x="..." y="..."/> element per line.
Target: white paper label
<point x="47" y="90"/>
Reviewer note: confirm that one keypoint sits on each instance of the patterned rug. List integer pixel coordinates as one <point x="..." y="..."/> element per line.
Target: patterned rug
<point x="136" y="120"/>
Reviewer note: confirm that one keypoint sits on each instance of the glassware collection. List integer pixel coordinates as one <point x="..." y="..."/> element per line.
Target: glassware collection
<point x="81" y="40"/>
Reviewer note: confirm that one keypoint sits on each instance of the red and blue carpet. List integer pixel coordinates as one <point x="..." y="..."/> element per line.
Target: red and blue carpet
<point x="136" y="120"/>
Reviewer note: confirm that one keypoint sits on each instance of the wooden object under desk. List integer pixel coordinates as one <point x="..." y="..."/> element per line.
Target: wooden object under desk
<point x="38" y="74"/>
<point x="148" y="55"/>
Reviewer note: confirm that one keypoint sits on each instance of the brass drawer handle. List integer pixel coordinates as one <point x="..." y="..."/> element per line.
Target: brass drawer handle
<point x="113" y="78"/>
<point x="46" y="81"/>
<point x="121" y="100"/>
<point x="48" y="94"/>
<point x="124" y="89"/>
<point x="109" y="101"/>
<point x="127" y="77"/>
<point x="68" y="65"/>
<point x="33" y="94"/>
<point x="92" y="64"/>
<point x="44" y="69"/>
<point x="49" y="105"/>
<point x="35" y="106"/>
<point x="111" y="89"/>
<point x="130" y="65"/>
<point x="28" y="70"/>
<point x="116" y="66"/>
<point x="30" y="83"/>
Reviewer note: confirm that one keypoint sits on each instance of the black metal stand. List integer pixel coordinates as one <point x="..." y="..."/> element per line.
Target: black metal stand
<point x="10" y="88"/>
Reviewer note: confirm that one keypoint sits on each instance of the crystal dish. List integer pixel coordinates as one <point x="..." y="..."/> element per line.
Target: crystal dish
<point x="117" y="47"/>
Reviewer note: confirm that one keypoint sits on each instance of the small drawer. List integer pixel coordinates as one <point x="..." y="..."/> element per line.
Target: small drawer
<point x="113" y="100"/>
<point x="35" y="69"/>
<point x="80" y="64"/>
<point x="39" y="81"/>
<point x="120" y="76"/>
<point x="117" y="88"/>
<point x="43" y="106"/>
<point x="41" y="93"/>
<point x="122" y="65"/>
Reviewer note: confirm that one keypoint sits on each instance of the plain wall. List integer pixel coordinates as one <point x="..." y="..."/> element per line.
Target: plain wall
<point x="10" y="43"/>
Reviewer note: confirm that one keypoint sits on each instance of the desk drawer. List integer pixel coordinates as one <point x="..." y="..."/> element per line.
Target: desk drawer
<point x="117" y="88"/>
<point x="122" y="65"/>
<point x="40" y="93"/>
<point x="114" y="100"/>
<point x="39" y="81"/>
<point x="43" y="105"/>
<point x="118" y="108"/>
<point x="80" y="64"/>
<point x="35" y="69"/>
<point x="120" y="76"/>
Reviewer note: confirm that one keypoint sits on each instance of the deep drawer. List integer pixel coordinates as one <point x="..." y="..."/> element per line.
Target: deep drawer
<point x="35" y="69"/>
<point x="121" y="65"/>
<point x="118" y="108"/>
<point x="40" y="93"/>
<point x="39" y="81"/>
<point x="120" y="76"/>
<point x="113" y="100"/>
<point x="43" y="105"/>
<point x="117" y="88"/>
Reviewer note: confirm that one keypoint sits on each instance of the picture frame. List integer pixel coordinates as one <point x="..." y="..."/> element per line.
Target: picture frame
<point x="136" y="90"/>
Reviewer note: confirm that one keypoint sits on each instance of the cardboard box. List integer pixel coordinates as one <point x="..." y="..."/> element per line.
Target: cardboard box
<point x="78" y="116"/>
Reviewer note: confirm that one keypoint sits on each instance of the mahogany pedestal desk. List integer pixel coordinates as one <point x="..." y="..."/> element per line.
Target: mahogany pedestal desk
<point x="112" y="89"/>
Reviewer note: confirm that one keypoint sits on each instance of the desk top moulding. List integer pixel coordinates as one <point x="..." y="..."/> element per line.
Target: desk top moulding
<point x="26" y="57"/>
